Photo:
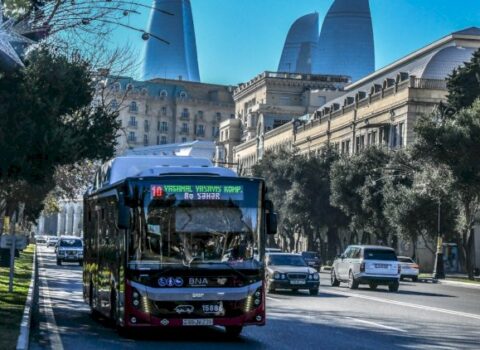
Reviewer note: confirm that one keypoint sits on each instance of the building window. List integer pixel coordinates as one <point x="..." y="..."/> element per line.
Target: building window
<point x="218" y="116"/>
<point x="184" y="139"/>
<point x="216" y="131"/>
<point x="158" y="139"/>
<point x="394" y="136"/>
<point x="184" y="128"/>
<point x="200" y="114"/>
<point x="185" y="114"/>
<point x="133" y="106"/>
<point x="164" y="110"/>
<point x="374" y="138"/>
<point x="146" y="125"/>
<point x="163" y="127"/>
<point x="145" y="140"/>
<point x="401" y="131"/>
<point x="113" y="105"/>
<point x="131" y="137"/>
<point x="200" y="130"/>
<point x="163" y="140"/>
<point x="132" y="122"/>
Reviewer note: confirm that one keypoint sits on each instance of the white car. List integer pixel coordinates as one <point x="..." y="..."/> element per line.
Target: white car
<point x="52" y="241"/>
<point x="410" y="268"/>
<point x="70" y="249"/>
<point x="365" y="264"/>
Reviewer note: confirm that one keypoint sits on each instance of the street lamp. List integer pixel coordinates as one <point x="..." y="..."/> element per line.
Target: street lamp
<point x="438" y="269"/>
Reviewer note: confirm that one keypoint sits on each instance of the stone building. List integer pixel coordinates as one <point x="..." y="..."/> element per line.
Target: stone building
<point x="270" y="100"/>
<point x="160" y="111"/>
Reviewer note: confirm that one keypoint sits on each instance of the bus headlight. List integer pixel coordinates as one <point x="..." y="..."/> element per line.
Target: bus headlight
<point x="136" y="299"/>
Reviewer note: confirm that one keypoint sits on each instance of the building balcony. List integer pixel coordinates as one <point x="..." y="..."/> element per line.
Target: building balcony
<point x="184" y="132"/>
<point x="163" y="131"/>
<point x="132" y="125"/>
<point x="200" y="133"/>
<point x="185" y="116"/>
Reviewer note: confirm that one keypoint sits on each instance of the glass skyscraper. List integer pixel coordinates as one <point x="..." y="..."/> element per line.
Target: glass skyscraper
<point x="346" y="40"/>
<point x="300" y="49"/>
<point x="178" y="58"/>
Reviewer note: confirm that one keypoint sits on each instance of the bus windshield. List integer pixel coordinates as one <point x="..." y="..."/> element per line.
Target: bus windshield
<point x="204" y="229"/>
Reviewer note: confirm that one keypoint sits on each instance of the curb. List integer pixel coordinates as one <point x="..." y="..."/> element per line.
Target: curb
<point x="24" y="337"/>
<point x="459" y="284"/>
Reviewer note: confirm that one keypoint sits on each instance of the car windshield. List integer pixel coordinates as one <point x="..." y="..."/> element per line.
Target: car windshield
<point x="71" y="243"/>
<point x="405" y="260"/>
<point x="286" y="260"/>
<point x="379" y="254"/>
<point x="202" y="229"/>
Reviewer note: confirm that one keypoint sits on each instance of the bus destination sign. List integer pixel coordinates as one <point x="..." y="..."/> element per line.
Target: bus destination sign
<point x="199" y="192"/>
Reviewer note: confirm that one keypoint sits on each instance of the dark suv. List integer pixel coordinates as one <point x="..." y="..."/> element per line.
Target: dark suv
<point x="312" y="259"/>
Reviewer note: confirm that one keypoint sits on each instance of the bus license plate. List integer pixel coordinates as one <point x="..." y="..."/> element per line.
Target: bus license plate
<point x="297" y="282"/>
<point x="198" y="322"/>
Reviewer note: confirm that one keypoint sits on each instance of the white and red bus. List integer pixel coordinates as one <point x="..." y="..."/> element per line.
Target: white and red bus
<point x="173" y="242"/>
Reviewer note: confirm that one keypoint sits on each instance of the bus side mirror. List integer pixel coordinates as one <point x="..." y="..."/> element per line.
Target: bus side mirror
<point x="124" y="217"/>
<point x="123" y="220"/>
<point x="271" y="218"/>
<point x="272" y="223"/>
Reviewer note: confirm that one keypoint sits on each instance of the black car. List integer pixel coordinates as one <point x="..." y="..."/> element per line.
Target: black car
<point x="312" y="259"/>
<point x="290" y="271"/>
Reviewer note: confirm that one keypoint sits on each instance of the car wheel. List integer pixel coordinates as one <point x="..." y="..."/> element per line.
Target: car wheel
<point x="333" y="279"/>
<point x="352" y="282"/>
<point x="233" y="331"/>
<point x="59" y="262"/>
<point x="393" y="287"/>
<point x="313" y="291"/>
<point x="372" y="286"/>
<point x="414" y="279"/>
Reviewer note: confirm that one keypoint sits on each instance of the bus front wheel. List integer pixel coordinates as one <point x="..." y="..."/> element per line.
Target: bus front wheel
<point x="233" y="331"/>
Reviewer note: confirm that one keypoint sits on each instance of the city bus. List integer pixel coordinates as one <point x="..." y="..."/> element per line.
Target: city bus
<point x="175" y="241"/>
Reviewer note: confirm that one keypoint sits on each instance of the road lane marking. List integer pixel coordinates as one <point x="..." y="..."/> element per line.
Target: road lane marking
<point x="52" y="328"/>
<point x="275" y="299"/>
<point x="402" y="303"/>
<point x="376" y="324"/>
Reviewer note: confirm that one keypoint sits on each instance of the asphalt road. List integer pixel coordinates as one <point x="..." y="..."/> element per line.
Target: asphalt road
<point x="419" y="316"/>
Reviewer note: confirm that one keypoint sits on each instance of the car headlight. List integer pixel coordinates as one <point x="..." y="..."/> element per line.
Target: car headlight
<point x="316" y="276"/>
<point x="276" y="276"/>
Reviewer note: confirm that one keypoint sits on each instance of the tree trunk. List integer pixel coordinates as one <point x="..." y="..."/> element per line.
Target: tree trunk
<point x="467" y="243"/>
<point x="332" y="243"/>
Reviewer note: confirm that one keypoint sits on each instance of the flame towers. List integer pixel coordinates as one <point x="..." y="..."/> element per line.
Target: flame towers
<point x="346" y="40"/>
<point x="300" y="49"/>
<point x="178" y="59"/>
<point x="345" y="45"/>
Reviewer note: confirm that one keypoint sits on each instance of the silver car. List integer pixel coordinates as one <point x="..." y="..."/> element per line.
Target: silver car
<point x="69" y="249"/>
<point x="365" y="264"/>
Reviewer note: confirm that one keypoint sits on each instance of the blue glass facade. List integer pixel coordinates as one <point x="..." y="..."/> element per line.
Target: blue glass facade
<point x="300" y="49"/>
<point x="178" y="59"/>
<point x="346" y="40"/>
